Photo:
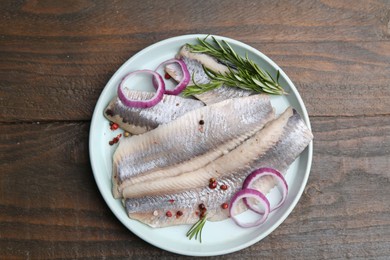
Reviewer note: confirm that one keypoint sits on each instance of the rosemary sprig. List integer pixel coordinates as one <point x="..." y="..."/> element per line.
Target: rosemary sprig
<point x="243" y="72"/>
<point x="196" y="229"/>
<point x="201" y="88"/>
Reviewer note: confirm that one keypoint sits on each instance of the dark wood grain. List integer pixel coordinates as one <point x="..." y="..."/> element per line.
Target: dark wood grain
<point x="57" y="56"/>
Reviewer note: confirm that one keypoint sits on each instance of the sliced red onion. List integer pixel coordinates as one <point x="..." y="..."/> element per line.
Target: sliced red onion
<point x="249" y="193"/>
<point x="184" y="81"/>
<point x="158" y="83"/>
<point x="257" y="174"/>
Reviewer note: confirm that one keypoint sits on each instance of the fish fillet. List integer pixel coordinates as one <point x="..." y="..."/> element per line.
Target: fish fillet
<point x="194" y="63"/>
<point x="277" y="145"/>
<point x="243" y="156"/>
<point x="191" y="141"/>
<point x="140" y="120"/>
<point x="189" y="165"/>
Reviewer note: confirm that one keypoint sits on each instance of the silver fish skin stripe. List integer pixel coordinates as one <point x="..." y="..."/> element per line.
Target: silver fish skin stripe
<point x="194" y="62"/>
<point x="294" y="138"/>
<point x="189" y="136"/>
<point x="140" y="120"/>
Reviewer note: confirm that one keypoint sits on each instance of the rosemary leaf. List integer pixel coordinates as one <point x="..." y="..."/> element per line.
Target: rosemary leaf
<point x="196" y="229"/>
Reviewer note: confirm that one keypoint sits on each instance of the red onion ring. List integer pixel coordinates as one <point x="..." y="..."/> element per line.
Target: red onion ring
<point x="184" y="81"/>
<point x="160" y="89"/>
<point x="257" y="174"/>
<point x="249" y="193"/>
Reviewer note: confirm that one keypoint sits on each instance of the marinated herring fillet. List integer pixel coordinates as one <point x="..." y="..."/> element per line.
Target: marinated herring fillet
<point x="208" y="132"/>
<point x="194" y="62"/>
<point x="243" y="156"/>
<point x="140" y="120"/>
<point x="277" y="145"/>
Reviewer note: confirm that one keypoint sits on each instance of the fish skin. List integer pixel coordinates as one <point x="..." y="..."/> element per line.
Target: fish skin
<point x="140" y="120"/>
<point x="222" y="93"/>
<point x="151" y="210"/>
<point x="292" y="139"/>
<point x="194" y="62"/>
<point x="183" y="139"/>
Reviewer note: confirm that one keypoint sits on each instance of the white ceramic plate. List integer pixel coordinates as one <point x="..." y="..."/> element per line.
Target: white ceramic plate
<point x="218" y="237"/>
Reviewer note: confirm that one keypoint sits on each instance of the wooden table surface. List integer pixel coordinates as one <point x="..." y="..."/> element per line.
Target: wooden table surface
<point x="57" y="56"/>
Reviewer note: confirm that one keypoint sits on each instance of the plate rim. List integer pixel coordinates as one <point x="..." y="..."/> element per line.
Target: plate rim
<point x="304" y="115"/>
